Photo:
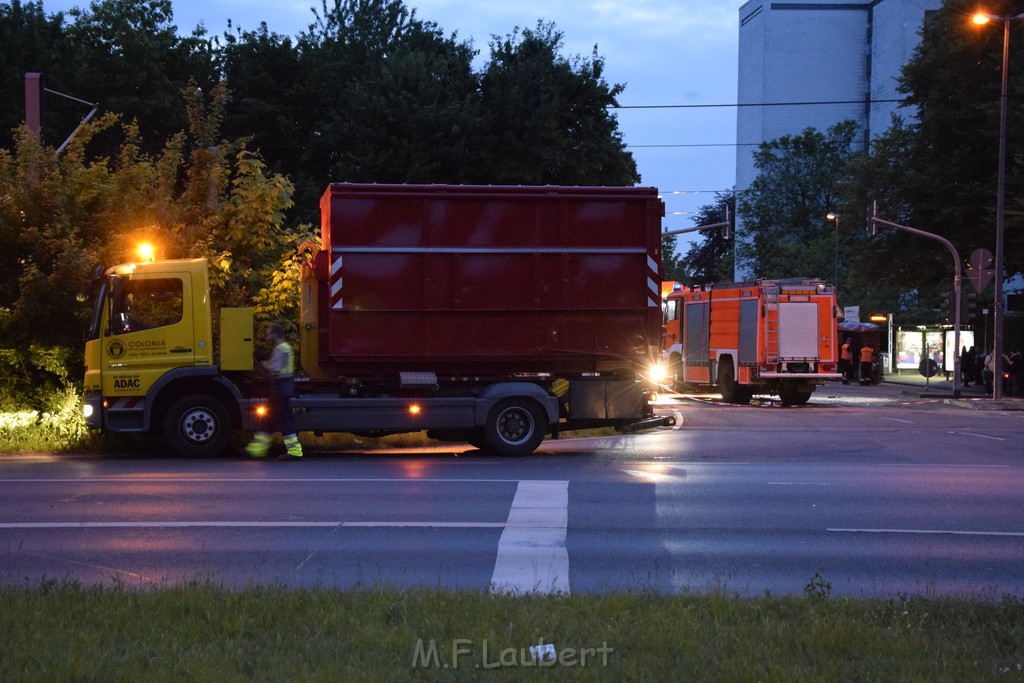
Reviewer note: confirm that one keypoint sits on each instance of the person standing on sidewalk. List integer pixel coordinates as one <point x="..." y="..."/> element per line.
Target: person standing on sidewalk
<point x="867" y="363"/>
<point x="989" y="370"/>
<point x="846" y="360"/>
<point x="281" y="367"/>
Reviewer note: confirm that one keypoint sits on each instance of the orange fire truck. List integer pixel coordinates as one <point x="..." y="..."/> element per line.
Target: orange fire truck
<point x="745" y="338"/>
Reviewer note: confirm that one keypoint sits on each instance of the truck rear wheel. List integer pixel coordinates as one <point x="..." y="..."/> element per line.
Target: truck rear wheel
<point x="794" y="397"/>
<point x="197" y="426"/>
<point x="515" y="426"/>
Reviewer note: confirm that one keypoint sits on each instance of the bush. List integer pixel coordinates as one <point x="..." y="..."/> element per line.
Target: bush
<point x="59" y="426"/>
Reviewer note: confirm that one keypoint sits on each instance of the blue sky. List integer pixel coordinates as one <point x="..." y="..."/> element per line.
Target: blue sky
<point x="666" y="52"/>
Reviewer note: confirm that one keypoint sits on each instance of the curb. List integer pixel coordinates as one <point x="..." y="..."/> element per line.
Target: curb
<point x="984" y="404"/>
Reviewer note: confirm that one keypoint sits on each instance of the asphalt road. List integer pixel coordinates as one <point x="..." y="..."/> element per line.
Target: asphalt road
<point x="877" y="491"/>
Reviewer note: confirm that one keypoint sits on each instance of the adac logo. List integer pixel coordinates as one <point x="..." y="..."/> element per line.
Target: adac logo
<point x="115" y="349"/>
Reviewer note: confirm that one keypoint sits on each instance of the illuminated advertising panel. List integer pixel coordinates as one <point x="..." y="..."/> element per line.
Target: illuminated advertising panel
<point x="909" y="349"/>
<point x="966" y="341"/>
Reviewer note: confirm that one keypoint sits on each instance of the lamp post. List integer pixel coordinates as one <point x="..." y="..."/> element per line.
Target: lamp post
<point x="835" y="257"/>
<point x="997" y="314"/>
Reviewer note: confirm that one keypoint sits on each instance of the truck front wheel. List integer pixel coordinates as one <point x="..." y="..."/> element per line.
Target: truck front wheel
<point x="514" y="427"/>
<point x="197" y="426"/>
<point x="732" y="391"/>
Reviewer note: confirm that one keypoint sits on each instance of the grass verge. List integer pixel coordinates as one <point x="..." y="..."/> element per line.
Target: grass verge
<point x="64" y="631"/>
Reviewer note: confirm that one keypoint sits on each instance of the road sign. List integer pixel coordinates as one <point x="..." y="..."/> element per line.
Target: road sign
<point x="981" y="270"/>
<point x="928" y="367"/>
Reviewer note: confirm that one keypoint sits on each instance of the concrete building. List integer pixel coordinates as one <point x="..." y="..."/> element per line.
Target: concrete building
<point x="845" y="55"/>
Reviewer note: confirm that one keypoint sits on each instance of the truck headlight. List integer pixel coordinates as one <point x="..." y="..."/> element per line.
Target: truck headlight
<point x="657" y="373"/>
<point x="87" y="410"/>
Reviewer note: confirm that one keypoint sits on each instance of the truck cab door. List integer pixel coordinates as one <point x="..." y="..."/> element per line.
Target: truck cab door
<point x="149" y="330"/>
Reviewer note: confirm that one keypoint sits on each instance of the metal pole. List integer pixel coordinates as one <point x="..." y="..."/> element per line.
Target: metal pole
<point x="835" y="257"/>
<point x="892" y="351"/>
<point x="997" y="319"/>
<point x="956" y="290"/>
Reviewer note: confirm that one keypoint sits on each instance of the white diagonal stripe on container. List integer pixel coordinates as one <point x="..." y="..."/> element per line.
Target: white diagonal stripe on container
<point x="532" y="557"/>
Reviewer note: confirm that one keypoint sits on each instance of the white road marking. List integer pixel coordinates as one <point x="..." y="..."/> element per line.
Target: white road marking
<point x="983" y="436"/>
<point x="246" y="525"/>
<point x="896" y="419"/>
<point x="255" y="480"/>
<point x="532" y="557"/>
<point x="947" y="532"/>
<point x="798" y="483"/>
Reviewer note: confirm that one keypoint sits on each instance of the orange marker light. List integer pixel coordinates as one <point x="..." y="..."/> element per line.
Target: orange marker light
<point x="146" y="252"/>
<point x="415" y="409"/>
<point x="261" y="411"/>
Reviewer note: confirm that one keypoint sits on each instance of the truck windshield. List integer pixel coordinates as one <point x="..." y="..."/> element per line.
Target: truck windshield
<point x="97" y="315"/>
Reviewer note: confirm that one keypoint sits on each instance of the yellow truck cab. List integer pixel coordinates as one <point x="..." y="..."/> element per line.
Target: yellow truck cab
<point x="150" y="357"/>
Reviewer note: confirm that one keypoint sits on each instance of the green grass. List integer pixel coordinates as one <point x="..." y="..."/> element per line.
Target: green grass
<point x="63" y="631"/>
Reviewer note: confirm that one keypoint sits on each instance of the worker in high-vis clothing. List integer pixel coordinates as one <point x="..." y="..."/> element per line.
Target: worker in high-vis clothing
<point x="867" y="363"/>
<point x="846" y="360"/>
<point x="281" y="367"/>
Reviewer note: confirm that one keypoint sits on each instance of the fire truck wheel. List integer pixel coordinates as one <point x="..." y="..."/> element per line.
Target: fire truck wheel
<point x="731" y="391"/>
<point x="515" y="426"/>
<point x="794" y="397"/>
<point x="197" y="426"/>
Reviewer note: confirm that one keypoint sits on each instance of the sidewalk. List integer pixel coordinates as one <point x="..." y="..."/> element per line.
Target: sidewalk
<point x="973" y="397"/>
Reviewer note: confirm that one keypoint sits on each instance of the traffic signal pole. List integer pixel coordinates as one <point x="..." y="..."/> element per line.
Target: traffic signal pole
<point x="876" y="221"/>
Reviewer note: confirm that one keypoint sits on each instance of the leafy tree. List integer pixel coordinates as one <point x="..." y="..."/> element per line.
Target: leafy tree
<point x="949" y="181"/>
<point x="672" y="263"/>
<point x="784" y="210"/>
<point x="546" y="118"/>
<point x="123" y="54"/>
<point x="62" y="214"/>
<point x="30" y="41"/>
<point x="380" y="96"/>
<point x="129" y="58"/>
<point x="712" y="259"/>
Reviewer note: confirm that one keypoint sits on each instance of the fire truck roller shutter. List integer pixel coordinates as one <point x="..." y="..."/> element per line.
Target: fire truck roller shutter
<point x="748" y="332"/>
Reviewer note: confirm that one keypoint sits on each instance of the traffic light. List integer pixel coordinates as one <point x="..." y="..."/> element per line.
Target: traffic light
<point x="968" y="305"/>
<point x="946" y="306"/>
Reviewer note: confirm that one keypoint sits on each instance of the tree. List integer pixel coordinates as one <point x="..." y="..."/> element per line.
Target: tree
<point x="712" y="259"/>
<point x="30" y="41"/>
<point x="60" y="215"/>
<point x="123" y="54"/>
<point x="373" y="95"/>
<point x="949" y="184"/>
<point x="673" y="265"/>
<point x="546" y="118"/>
<point x="799" y="181"/>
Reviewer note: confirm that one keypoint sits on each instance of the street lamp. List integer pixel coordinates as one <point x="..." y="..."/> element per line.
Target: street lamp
<point x="979" y="19"/>
<point x="835" y="258"/>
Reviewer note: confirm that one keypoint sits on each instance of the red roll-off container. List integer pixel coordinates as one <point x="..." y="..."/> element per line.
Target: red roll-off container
<point x="485" y="280"/>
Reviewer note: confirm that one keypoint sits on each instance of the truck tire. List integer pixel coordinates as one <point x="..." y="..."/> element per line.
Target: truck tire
<point x="791" y="396"/>
<point x="732" y="392"/>
<point x="197" y="426"/>
<point x="515" y="426"/>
